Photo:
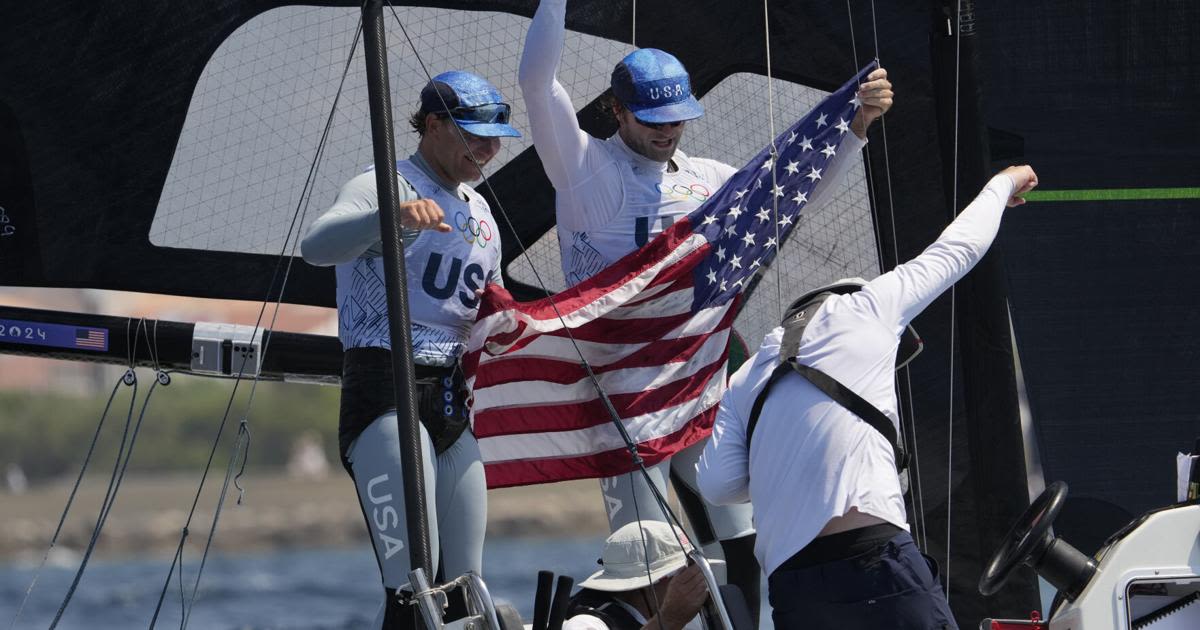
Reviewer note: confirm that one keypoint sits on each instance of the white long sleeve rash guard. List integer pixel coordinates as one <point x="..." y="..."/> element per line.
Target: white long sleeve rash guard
<point x="610" y="200"/>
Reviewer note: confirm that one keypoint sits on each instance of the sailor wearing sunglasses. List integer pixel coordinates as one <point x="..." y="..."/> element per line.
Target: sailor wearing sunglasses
<point x="450" y="251"/>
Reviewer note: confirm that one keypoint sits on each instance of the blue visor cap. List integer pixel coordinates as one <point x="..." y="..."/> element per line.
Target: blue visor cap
<point x="655" y="87"/>
<point x="474" y="103"/>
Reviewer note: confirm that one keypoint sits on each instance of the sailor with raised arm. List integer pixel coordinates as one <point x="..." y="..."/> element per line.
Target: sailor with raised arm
<point x="451" y="249"/>
<point x="821" y="469"/>
<point x="614" y="195"/>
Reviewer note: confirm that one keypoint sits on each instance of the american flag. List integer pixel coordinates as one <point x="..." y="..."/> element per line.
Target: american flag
<point x="92" y="338"/>
<point x="654" y="326"/>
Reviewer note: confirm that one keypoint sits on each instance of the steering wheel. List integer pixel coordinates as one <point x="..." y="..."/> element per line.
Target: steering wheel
<point x="1028" y="535"/>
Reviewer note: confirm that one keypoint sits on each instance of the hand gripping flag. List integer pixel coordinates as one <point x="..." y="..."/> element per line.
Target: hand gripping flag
<point x="654" y="326"/>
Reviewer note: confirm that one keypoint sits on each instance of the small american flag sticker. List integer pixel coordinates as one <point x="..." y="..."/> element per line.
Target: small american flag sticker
<point x="93" y="338"/>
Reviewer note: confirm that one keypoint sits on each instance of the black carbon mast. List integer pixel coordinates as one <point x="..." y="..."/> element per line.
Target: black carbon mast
<point x="379" y="96"/>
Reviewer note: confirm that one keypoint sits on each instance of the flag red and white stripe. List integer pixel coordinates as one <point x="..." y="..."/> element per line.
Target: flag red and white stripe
<point x="538" y="415"/>
<point x="654" y="326"/>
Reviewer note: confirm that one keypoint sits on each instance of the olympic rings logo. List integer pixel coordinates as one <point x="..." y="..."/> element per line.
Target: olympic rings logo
<point x="474" y="231"/>
<point x="699" y="192"/>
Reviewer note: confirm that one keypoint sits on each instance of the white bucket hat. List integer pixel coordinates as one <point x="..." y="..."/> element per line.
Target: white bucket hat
<point x="629" y="555"/>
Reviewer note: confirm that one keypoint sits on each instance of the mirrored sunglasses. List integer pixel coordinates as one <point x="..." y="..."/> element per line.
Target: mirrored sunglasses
<point x="493" y="113"/>
<point x="665" y="125"/>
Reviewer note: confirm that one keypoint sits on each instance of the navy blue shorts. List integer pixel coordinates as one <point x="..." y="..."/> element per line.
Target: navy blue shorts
<point x="892" y="585"/>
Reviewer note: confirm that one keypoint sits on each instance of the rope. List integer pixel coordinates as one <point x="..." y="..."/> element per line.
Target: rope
<point x="774" y="154"/>
<point x="953" y="299"/>
<point x="121" y="465"/>
<point x="917" y="495"/>
<point x="70" y="500"/>
<point x="633" y="28"/>
<point x="241" y="443"/>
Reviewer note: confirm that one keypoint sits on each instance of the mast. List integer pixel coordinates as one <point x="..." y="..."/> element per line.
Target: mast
<point x="997" y="475"/>
<point x="379" y="96"/>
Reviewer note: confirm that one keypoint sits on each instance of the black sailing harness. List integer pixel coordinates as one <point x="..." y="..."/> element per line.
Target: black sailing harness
<point x="368" y="392"/>
<point x="797" y="318"/>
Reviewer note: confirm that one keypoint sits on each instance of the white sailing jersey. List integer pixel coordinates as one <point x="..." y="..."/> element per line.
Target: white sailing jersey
<point x="651" y="198"/>
<point x="443" y="269"/>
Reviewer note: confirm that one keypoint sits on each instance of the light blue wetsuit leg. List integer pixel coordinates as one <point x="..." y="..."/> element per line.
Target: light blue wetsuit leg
<point x="374" y="458"/>
<point x="461" y="507"/>
<point x="627" y="498"/>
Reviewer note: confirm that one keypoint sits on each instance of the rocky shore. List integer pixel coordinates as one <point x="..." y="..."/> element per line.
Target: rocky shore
<point x="276" y="512"/>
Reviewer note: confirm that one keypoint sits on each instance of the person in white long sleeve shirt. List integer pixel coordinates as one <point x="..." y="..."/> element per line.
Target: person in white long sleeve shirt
<point x="451" y="249"/>
<point x="832" y="531"/>
<point x="614" y="195"/>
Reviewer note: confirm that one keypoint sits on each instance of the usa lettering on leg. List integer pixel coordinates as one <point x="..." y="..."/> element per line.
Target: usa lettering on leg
<point x="385" y="518"/>
<point x="611" y="503"/>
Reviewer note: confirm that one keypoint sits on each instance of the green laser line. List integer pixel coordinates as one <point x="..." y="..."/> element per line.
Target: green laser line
<point x="1113" y="194"/>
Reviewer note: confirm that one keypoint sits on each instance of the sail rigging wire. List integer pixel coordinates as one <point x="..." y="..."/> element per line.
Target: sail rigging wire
<point x="917" y="495"/>
<point x="121" y="465"/>
<point x="122" y="380"/>
<point x="914" y="469"/>
<point x="241" y="443"/>
<point x="633" y="27"/>
<point x="953" y="294"/>
<point x="774" y="153"/>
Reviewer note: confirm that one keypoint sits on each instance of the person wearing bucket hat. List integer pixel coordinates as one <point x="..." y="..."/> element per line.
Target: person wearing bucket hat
<point x="614" y="195"/>
<point x="451" y="249"/>
<point x="646" y="582"/>
<point x="823" y="479"/>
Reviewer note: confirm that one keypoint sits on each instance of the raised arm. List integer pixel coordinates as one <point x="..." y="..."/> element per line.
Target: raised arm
<point x="901" y="294"/>
<point x="560" y="143"/>
<point x="876" y="97"/>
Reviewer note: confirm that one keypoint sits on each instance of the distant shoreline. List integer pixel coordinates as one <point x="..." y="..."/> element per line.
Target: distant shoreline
<point x="277" y="512"/>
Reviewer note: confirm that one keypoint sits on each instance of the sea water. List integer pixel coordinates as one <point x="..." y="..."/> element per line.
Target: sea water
<point x="296" y="590"/>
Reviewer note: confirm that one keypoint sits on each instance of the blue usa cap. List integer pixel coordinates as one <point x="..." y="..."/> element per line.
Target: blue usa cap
<point x="474" y="103"/>
<point x="655" y="87"/>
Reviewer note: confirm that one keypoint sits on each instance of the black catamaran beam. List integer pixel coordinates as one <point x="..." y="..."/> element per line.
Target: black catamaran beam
<point x="379" y="97"/>
<point x="997" y="475"/>
<point x="200" y="348"/>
